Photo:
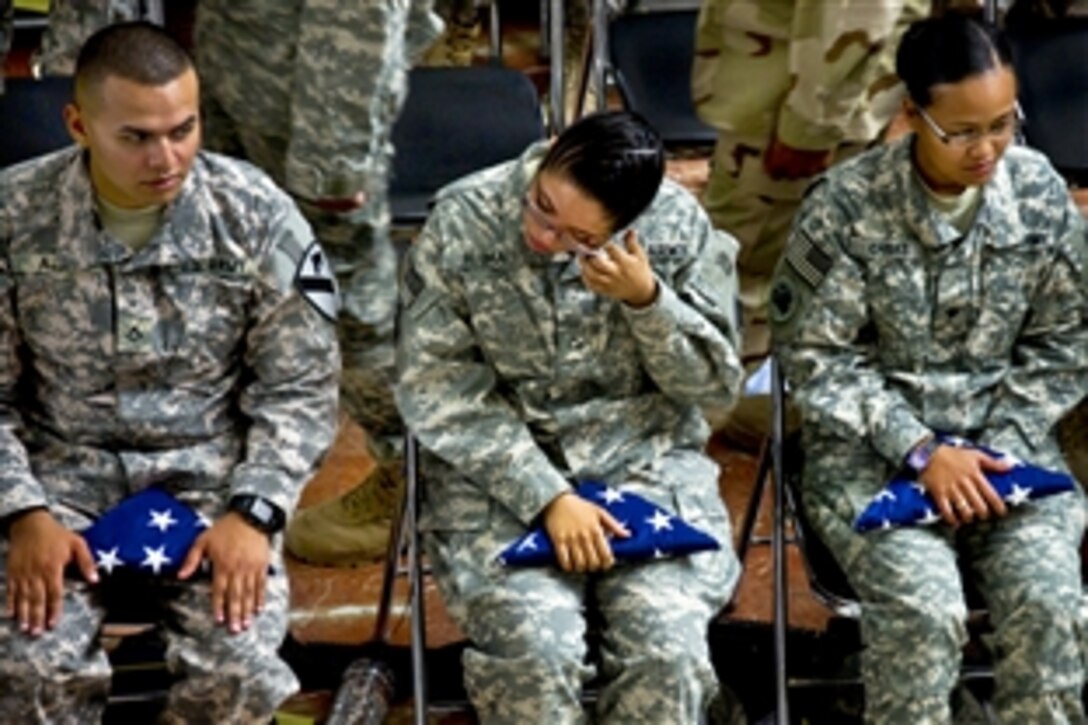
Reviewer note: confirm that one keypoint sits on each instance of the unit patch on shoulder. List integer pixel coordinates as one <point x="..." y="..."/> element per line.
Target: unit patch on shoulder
<point x="783" y="299"/>
<point x="317" y="282"/>
<point x="809" y="261"/>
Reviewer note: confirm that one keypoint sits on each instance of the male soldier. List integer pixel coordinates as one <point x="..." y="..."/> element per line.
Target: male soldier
<point x="308" y="90"/>
<point x="166" y="320"/>
<point x="791" y="86"/>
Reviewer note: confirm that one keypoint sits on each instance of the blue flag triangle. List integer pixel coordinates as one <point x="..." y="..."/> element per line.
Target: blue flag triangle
<point x="905" y="502"/>
<point x="149" y="532"/>
<point x="655" y="533"/>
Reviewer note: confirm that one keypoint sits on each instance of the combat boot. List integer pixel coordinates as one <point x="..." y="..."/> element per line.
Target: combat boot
<point x="455" y="47"/>
<point x="353" y="528"/>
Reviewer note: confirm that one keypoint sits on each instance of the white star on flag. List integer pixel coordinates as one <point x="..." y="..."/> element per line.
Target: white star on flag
<point x="611" y="496"/>
<point x="108" y="560"/>
<point x="931" y="517"/>
<point x="885" y="495"/>
<point x="660" y="520"/>
<point x="202" y="521"/>
<point x="529" y="544"/>
<point x="162" y="520"/>
<point x="156" y="558"/>
<point x="1018" y="494"/>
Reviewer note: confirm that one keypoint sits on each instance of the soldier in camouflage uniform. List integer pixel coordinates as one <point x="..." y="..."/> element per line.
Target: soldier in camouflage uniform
<point x="938" y="285"/>
<point x="165" y="320"/>
<point x="526" y="364"/>
<point x="308" y="90"/>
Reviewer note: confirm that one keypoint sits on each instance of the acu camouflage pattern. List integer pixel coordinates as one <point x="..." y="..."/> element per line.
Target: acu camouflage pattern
<point x="71" y="22"/>
<point x="518" y="380"/>
<point x="816" y="74"/>
<point x="308" y="90"/>
<point x="193" y="364"/>
<point x="890" y="325"/>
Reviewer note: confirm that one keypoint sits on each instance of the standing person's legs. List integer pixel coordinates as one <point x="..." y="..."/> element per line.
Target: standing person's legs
<point x="1029" y="572"/>
<point x="61" y="677"/>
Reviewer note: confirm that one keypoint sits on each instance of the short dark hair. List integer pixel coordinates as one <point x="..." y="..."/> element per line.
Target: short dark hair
<point x="616" y="157"/>
<point x="948" y="49"/>
<point x="137" y="51"/>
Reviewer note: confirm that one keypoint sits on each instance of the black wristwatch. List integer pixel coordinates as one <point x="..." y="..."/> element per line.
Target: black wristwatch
<point x="260" y="513"/>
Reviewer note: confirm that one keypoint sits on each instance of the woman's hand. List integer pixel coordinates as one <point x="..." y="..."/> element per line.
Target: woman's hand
<point x="579" y="532"/>
<point x="956" y="479"/>
<point x="621" y="273"/>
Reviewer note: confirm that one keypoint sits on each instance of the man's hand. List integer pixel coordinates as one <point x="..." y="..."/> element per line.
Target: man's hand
<point x="239" y="556"/>
<point x="956" y="479"/>
<point x="39" y="550"/>
<point x="340" y="206"/>
<point x="785" y="162"/>
<point x="578" y="530"/>
<point x="622" y="274"/>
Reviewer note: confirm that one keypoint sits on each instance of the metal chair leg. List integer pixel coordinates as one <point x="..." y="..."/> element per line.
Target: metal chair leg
<point x="781" y="582"/>
<point x="415" y="582"/>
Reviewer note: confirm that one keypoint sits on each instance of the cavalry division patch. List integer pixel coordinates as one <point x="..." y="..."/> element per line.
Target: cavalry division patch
<point x="317" y="282"/>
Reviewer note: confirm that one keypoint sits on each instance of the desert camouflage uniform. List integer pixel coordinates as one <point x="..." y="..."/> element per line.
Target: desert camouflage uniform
<point x="308" y="90"/>
<point x="818" y="75"/>
<point x="891" y="325"/>
<point x="194" y="364"/>
<point x="522" y="381"/>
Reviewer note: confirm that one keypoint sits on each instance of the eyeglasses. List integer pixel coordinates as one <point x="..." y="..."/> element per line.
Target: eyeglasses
<point x="1004" y="128"/>
<point x="573" y="241"/>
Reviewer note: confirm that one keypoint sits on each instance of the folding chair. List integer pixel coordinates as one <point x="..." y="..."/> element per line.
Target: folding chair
<point x="32" y="118"/>
<point x="1051" y="59"/>
<point x="781" y="463"/>
<point x="456" y="121"/>
<point x="649" y="56"/>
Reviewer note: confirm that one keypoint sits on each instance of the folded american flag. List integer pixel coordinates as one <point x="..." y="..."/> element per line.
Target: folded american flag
<point x="905" y="501"/>
<point x="655" y="533"/>
<point x="149" y="532"/>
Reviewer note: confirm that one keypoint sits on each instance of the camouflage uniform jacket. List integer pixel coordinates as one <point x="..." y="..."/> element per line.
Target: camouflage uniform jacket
<point x="325" y="76"/>
<point x="194" y="363"/>
<point x="890" y="324"/>
<point x="71" y="22"/>
<point x="522" y="379"/>
<point x="817" y="73"/>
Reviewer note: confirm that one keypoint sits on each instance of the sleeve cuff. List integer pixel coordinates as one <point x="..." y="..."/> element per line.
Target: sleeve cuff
<point x="268" y="483"/>
<point x="898" y="437"/>
<point x="542" y="483"/>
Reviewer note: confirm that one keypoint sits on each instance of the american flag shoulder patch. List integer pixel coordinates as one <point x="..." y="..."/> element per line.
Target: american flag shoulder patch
<point x="807" y="259"/>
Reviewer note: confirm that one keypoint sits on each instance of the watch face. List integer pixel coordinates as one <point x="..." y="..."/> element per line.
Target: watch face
<point x="261" y="510"/>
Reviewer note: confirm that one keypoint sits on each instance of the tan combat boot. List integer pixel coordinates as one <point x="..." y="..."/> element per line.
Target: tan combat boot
<point x="353" y="528"/>
<point x="455" y="47"/>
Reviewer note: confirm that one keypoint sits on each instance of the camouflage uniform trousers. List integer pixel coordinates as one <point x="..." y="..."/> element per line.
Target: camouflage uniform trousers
<point x="359" y="247"/>
<point x="527" y="661"/>
<point x="1027" y="568"/>
<point x="63" y="676"/>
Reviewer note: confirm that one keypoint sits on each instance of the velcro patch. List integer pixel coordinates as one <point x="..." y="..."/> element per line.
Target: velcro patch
<point x="809" y="261"/>
<point x="317" y="282"/>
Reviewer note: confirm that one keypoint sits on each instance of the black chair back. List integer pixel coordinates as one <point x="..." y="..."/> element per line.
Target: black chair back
<point x="31" y="118"/>
<point x="651" y="55"/>
<point x="1051" y="59"/>
<point x="456" y="121"/>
